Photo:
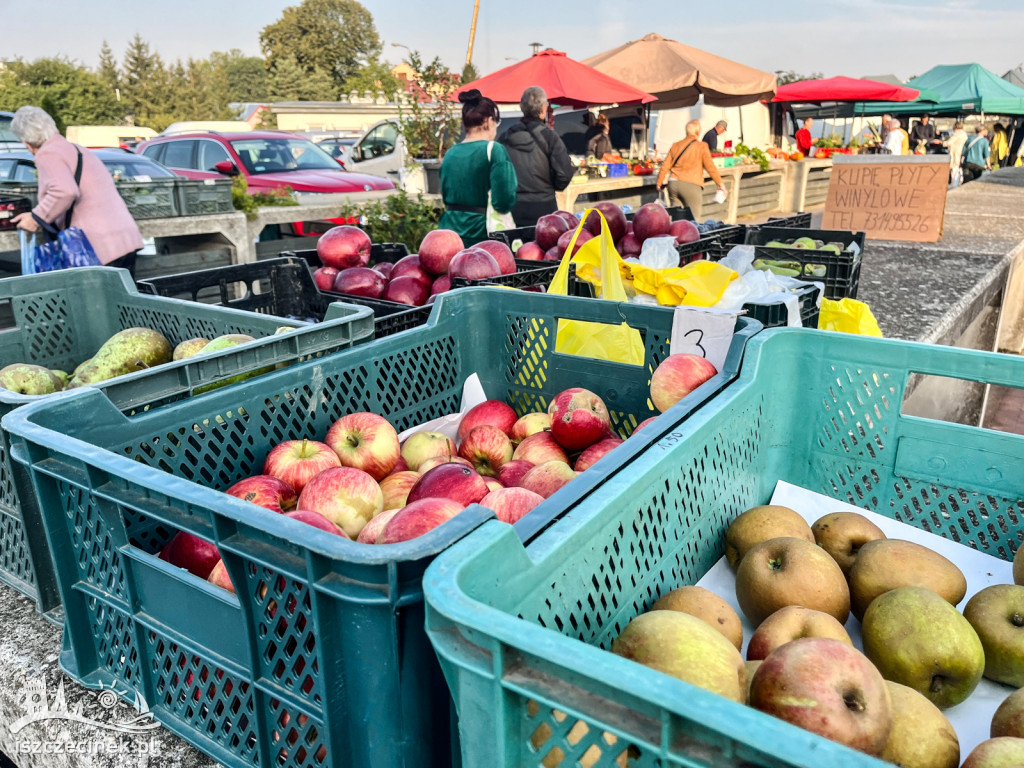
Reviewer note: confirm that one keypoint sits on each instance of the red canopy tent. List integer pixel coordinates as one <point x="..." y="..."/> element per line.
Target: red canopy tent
<point x="565" y="81"/>
<point x="844" y="89"/>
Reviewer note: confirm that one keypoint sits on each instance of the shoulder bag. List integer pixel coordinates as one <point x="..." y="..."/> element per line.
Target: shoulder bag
<point x="496" y="221"/>
<point x="68" y="247"/>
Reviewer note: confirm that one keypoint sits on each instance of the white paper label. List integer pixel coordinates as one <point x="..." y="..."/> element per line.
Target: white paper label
<point x="704" y="331"/>
<point x="472" y="394"/>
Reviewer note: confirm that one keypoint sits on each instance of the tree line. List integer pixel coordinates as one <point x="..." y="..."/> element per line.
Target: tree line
<point x="318" y="50"/>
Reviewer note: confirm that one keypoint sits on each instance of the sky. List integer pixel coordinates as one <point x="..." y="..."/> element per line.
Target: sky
<point x="869" y="37"/>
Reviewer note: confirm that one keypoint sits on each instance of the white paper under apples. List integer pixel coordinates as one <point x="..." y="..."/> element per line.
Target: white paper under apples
<point x="472" y="394"/>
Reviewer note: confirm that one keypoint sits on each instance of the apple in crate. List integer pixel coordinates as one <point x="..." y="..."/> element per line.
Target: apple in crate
<point x="315" y="519"/>
<point x="436" y="461"/>
<point x="579" y="418"/>
<point x="553" y="254"/>
<point x="487" y="448"/>
<point x="343" y="247"/>
<point x="496" y="413"/>
<point x="529" y="424"/>
<point x="512" y="472"/>
<point x="614" y="217"/>
<point x="347" y="497"/>
<point x="195" y="555"/>
<point x="566" y="239"/>
<point x="385" y="268"/>
<point x="449" y="481"/>
<point x="410" y="266"/>
<point x="266" y="491"/>
<point x="531" y="251"/>
<point x="473" y="264"/>
<point x="371" y="531"/>
<point x="571" y="219"/>
<point x="423" y="445"/>
<point x="511" y="504"/>
<point x="501" y="253"/>
<point x="360" y="281"/>
<point x="676" y="377"/>
<point x="324" y="278"/>
<point x="549" y="228"/>
<point x="406" y="289"/>
<point x="684" y="231"/>
<point x="540" y="447"/>
<point x="651" y="220"/>
<point x="417" y="518"/>
<point x="629" y="245"/>
<point x="643" y="424"/>
<point x="396" y="487"/>
<point x="437" y="249"/>
<point x="296" y="462"/>
<point x="544" y="479"/>
<point x="441" y="284"/>
<point x="365" y="441"/>
<point x="219" y="576"/>
<point x="592" y="454"/>
<point x="789" y="623"/>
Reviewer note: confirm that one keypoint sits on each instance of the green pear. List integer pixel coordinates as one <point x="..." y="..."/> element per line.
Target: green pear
<point x="189" y="347"/>
<point x="1009" y="717"/>
<point x="1003" y="752"/>
<point x="687" y="648"/>
<point x="225" y="342"/>
<point x="885" y="564"/>
<point x="1018" y="567"/>
<point x="921" y="736"/>
<point x="805" y="242"/>
<point x="80" y="366"/>
<point x="28" y="379"/>
<point x="63" y="376"/>
<point x="916" y="638"/>
<point x="775" y="244"/>
<point x="133" y="349"/>
<point x="997" y="615"/>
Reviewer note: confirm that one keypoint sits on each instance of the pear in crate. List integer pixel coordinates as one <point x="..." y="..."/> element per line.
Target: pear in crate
<point x="127" y="351"/>
<point x="189" y="347"/>
<point x="225" y="342"/>
<point x="28" y="379"/>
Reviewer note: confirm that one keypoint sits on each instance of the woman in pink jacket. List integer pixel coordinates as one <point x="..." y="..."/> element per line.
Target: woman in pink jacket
<point x="99" y="210"/>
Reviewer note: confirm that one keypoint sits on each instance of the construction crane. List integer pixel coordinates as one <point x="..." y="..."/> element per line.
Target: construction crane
<point x="472" y="32"/>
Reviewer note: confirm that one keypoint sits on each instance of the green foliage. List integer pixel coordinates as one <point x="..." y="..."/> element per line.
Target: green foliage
<point x="469" y="73"/>
<point x="755" y="154"/>
<point x="337" y="37"/>
<point x="146" y="86"/>
<point x="70" y="93"/>
<point x="288" y="81"/>
<point x="374" y="78"/>
<point x="108" y="72"/>
<point x="785" y="77"/>
<point x="397" y="218"/>
<point x="833" y="140"/>
<point x="249" y="204"/>
<point x="244" y="78"/>
<point x="430" y="121"/>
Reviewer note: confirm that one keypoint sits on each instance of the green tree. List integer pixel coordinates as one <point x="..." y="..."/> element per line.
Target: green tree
<point x="243" y="78"/>
<point x="374" y="77"/>
<point x="193" y="92"/>
<point x="430" y="120"/>
<point x="145" y="85"/>
<point x="787" y="76"/>
<point x="337" y="37"/>
<point x="108" y="71"/>
<point x="469" y="73"/>
<point x="69" y="92"/>
<point x="290" y="82"/>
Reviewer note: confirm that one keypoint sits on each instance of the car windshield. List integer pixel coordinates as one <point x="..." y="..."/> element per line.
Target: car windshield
<point x="276" y="155"/>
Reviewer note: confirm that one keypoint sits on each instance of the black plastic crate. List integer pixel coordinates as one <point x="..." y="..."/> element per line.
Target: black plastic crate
<point x="776" y="315"/>
<point x="526" y="234"/>
<point x="842" y="270"/>
<point x="282" y="287"/>
<point x="10" y="207"/>
<point x="699" y="249"/>
<point x="797" y="220"/>
<point x="379" y="252"/>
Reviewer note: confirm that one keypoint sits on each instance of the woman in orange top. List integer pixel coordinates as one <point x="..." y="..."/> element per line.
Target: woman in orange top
<point x="684" y="168"/>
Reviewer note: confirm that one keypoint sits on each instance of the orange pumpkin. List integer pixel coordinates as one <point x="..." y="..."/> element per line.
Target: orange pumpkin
<point x="797" y="156"/>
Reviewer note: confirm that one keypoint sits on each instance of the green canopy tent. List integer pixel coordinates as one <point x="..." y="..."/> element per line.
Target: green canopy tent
<point x="956" y="89"/>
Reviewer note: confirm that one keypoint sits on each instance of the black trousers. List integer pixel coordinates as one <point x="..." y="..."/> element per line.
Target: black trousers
<point x="126" y="262"/>
<point x="526" y="214"/>
<point x="972" y="171"/>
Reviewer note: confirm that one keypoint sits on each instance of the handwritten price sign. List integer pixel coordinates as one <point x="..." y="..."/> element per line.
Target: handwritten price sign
<point x="888" y="197"/>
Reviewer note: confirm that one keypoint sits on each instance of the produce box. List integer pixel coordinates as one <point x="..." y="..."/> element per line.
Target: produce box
<point x="525" y="234"/>
<point x="203" y="196"/>
<point x="617" y="170"/>
<point x="343" y="674"/>
<point x="283" y="287"/>
<point x="58" y="319"/>
<point x="11" y="206"/>
<point x="153" y="199"/>
<point x="523" y="632"/>
<point x="776" y="314"/>
<point x="802" y="220"/>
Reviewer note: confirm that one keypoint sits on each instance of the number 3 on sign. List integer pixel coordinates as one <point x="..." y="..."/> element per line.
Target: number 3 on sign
<point x="703" y="331"/>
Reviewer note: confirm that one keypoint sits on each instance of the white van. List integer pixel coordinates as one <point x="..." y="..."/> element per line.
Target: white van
<point x="379" y="151"/>
<point x="108" y="135"/>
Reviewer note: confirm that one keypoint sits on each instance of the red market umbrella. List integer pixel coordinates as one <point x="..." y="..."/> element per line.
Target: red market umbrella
<point x="844" y="89"/>
<point x="565" y="81"/>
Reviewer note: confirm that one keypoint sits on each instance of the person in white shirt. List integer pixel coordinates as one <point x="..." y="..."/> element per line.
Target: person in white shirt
<point x="894" y="141"/>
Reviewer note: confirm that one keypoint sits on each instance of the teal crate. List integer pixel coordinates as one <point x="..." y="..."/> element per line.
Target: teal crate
<point x="197" y="197"/>
<point x="153" y="199"/>
<point x="522" y="632"/>
<point x="351" y="657"/>
<point x="59" y="319"/>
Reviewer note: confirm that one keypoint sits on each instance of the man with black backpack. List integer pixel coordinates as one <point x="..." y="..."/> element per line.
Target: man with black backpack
<point x="539" y="156"/>
<point x="976" y="155"/>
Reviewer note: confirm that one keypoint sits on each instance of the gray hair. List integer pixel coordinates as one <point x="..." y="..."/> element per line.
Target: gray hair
<point x="533" y="102"/>
<point x="721" y="124"/>
<point x="33" y="126"/>
<point x="693" y="128"/>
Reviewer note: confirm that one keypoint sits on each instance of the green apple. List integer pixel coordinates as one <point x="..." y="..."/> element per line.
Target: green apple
<point x="1004" y="752"/>
<point x="997" y="615"/>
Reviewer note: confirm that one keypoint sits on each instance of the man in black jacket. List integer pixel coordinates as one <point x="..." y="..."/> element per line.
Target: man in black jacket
<point x="541" y="161"/>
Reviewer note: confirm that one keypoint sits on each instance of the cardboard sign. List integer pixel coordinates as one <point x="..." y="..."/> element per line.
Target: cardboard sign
<point x="901" y="197"/>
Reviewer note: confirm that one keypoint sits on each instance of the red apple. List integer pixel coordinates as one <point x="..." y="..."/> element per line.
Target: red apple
<point x="400" y="466"/>
<point x="265" y="490"/>
<point x="566" y="238"/>
<point x="371" y="531"/>
<point x="423" y="445"/>
<point x="501" y="253"/>
<point x="347" y="497"/>
<point x="324" y="278"/>
<point x="651" y="220"/>
<point x="360" y="281"/>
<point x="676" y="377"/>
<point x="437" y="250"/>
<point x="827" y="687"/>
<point x="643" y="424"/>
<point x="553" y="254"/>
<point x="219" y="576"/>
<point x="315" y="519"/>
<point x="629" y="245"/>
<point x="488" y="448"/>
<point x="297" y="461"/>
<point x="344" y="246"/>
<point x="385" y="268"/>
<point x="449" y="481"/>
<point x="549" y="228"/>
<point x="546" y="478"/>
<point x="684" y="231"/>
<point x="531" y="251"/>
<point x="511" y="504"/>
<point x="614" y="217"/>
<point x="396" y="487"/>
<point x="492" y="484"/>
<point x="410" y="266"/>
<point x="195" y="555"/>
<point x="365" y="441"/>
<point x="406" y="290"/>
<point x="529" y="424"/>
<point x="435" y="461"/>
<point x="571" y="220"/>
<point x="592" y="454"/>
<point x="579" y="418"/>
<point x="417" y="518"/>
<point x="540" y="447"/>
<point x="496" y="413"/>
<point x="473" y="264"/>
<point x="512" y="472"/>
<point x="790" y="623"/>
<point x="440" y="285"/>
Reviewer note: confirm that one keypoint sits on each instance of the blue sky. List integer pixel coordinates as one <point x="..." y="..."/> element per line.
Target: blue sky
<point x="868" y="37"/>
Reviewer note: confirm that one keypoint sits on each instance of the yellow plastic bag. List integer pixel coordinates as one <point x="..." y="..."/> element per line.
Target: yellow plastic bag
<point x="848" y="316"/>
<point x="615" y="343"/>
<point x="698" y="284"/>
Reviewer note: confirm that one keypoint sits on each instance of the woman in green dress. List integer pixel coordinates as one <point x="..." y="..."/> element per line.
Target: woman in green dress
<point x="467" y="174"/>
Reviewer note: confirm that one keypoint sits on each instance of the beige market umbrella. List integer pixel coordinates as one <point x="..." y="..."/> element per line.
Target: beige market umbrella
<point x="679" y="74"/>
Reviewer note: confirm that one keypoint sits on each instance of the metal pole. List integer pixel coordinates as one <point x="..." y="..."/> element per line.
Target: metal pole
<point x="472" y="32"/>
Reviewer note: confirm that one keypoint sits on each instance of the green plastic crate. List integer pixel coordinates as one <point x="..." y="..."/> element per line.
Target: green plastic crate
<point x="196" y="197"/>
<point x="153" y="199"/>
<point x="59" y="319"/>
<point x="521" y="632"/>
<point x="351" y="655"/>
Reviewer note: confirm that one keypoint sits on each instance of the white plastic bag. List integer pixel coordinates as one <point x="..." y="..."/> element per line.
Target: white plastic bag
<point x="659" y="252"/>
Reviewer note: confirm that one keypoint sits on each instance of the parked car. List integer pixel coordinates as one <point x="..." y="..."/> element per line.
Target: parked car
<point x="8" y="140"/>
<point x="20" y="166"/>
<point x="340" y="148"/>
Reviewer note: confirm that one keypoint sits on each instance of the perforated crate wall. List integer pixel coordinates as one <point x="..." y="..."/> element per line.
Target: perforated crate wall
<point x="523" y="634"/>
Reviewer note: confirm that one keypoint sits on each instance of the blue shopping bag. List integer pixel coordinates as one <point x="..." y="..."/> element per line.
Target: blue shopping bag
<point x="68" y="247"/>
